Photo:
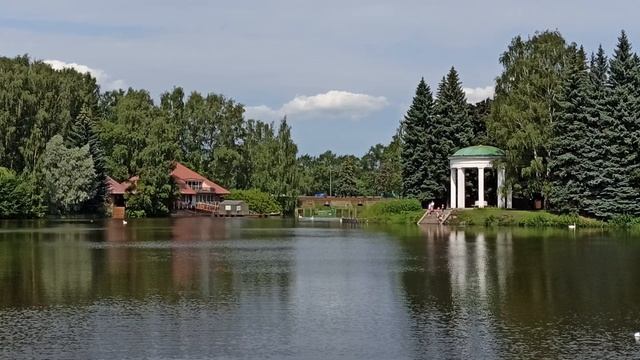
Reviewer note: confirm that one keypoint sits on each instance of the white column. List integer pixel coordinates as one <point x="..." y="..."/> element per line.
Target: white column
<point x="500" y="185"/>
<point x="509" y="199"/>
<point x="453" y="189"/>
<point x="480" y="187"/>
<point x="460" y="187"/>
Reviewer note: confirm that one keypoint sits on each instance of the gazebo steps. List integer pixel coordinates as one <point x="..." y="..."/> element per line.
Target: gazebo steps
<point x="435" y="217"/>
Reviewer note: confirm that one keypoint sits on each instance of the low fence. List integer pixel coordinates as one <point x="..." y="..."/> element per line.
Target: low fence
<point x="208" y="207"/>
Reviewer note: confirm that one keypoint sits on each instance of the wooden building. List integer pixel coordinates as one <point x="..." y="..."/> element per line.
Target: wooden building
<point x="232" y="208"/>
<point x="195" y="188"/>
<point x="196" y="191"/>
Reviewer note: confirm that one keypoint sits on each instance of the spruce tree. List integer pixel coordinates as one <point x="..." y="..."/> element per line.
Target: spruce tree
<point x="571" y="140"/>
<point x="619" y="195"/>
<point x="83" y="132"/>
<point x="415" y="153"/>
<point x="453" y="129"/>
<point x="596" y="156"/>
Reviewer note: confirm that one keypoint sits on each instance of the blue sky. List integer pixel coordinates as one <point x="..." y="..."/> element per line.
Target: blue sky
<point x="344" y="72"/>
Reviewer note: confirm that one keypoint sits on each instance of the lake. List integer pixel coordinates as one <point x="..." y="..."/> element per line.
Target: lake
<point x="196" y="288"/>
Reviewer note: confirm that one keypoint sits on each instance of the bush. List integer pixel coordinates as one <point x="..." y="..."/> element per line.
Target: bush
<point x="491" y="220"/>
<point x="624" y="221"/>
<point x="504" y="217"/>
<point x="259" y="202"/>
<point x="135" y="214"/>
<point x="20" y="197"/>
<point x="399" y="211"/>
<point x="398" y="206"/>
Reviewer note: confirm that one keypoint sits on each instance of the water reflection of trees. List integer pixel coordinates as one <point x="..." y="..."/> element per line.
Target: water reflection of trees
<point x="75" y="262"/>
<point x="507" y="283"/>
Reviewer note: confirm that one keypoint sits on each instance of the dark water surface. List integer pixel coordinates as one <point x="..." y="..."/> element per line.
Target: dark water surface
<point x="196" y="288"/>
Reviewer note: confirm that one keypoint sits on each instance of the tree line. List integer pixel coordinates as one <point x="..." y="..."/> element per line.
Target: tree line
<point x="569" y="124"/>
<point x="60" y="137"/>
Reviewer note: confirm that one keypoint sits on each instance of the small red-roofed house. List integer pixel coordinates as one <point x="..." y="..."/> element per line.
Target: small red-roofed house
<point x="116" y="193"/>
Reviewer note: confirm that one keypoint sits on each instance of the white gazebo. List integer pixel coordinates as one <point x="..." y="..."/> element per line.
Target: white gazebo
<point x="477" y="157"/>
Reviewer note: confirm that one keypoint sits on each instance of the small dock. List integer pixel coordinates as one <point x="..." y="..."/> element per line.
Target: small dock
<point x="227" y="208"/>
<point x="353" y="221"/>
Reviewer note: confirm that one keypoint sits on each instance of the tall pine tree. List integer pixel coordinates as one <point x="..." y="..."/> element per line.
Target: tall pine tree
<point x="622" y="134"/>
<point x="415" y="152"/>
<point x="453" y="130"/>
<point x="83" y="132"/>
<point x="596" y="154"/>
<point x="571" y="139"/>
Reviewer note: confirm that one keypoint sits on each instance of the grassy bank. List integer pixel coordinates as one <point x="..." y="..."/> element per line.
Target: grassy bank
<point x="504" y="217"/>
<point x="409" y="211"/>
<point x="400" y="211"/>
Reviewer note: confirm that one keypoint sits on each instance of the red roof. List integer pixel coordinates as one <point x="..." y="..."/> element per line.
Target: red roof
<point x="182" y="174"/>
<point x="184" y="188"/>
<point x="114" y="187"/>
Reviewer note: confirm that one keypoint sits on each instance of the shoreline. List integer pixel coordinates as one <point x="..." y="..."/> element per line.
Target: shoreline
<point x="487" y="217"/>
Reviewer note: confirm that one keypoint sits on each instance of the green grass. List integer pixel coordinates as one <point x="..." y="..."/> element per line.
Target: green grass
<point x="400" y="211"/>
<point x="409" y="211"/>
<point x="504" y="217"/>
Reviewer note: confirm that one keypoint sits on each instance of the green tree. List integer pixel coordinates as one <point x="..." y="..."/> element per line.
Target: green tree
<point x="479" y="113"/>
<point x="347" y="180"/>
<point x="452" y="130"/>
<point x="286" y="165"/>
<point x="83" y="132"/>
<point x="211" y="133"/>
<point x="415" y="152"/>
<point x="622" y="134"/>
<point x="523" y="110"/>
<point x="11" y="201"/>
<point x="388" y="178"/>
<point x="124" y="132"/>
<point x="68" y="174"/>
<point x="597" y="156"/>
<point x="20" y="196"/>
<point x="37" y="103"/>
<point x="571" y="140"/>
<point x="259" y="148"/>
<point x="259" y="202"/>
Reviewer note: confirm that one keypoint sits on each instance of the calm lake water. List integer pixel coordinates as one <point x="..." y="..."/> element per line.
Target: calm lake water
<point x="198" y="288"/>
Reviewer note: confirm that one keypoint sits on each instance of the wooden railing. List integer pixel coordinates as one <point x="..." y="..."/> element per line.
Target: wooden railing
<point x="208" y="207"/>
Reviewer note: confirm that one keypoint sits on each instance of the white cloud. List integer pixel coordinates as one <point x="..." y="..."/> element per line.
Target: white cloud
<point x="334" y="103"/>
<point x="103" y="79"/>
<point x="478" y="94"/>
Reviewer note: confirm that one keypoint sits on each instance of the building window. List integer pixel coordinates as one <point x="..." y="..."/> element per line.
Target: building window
<point x="195" y="185"/>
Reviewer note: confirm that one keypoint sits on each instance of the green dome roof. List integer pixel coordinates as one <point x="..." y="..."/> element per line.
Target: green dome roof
<point x="479" y="150"/>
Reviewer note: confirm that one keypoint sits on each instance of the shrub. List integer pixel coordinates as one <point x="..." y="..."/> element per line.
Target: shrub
<point x="624" y="221"/>
<point x="20" y="196"/>
<point x="491" y="220"/>
<point x="502" y="217"/>
<point x="398" y="211"/>
<point x="397" y="206"/>
<point x="259" y="202"/>
<point x="134" y="214"/>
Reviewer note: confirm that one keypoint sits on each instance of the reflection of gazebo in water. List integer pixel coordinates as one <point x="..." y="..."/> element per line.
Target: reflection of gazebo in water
<point x="478" y="157"/>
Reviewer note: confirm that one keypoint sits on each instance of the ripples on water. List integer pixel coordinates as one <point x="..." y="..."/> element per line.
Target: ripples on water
<point x="215" y="288"/>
